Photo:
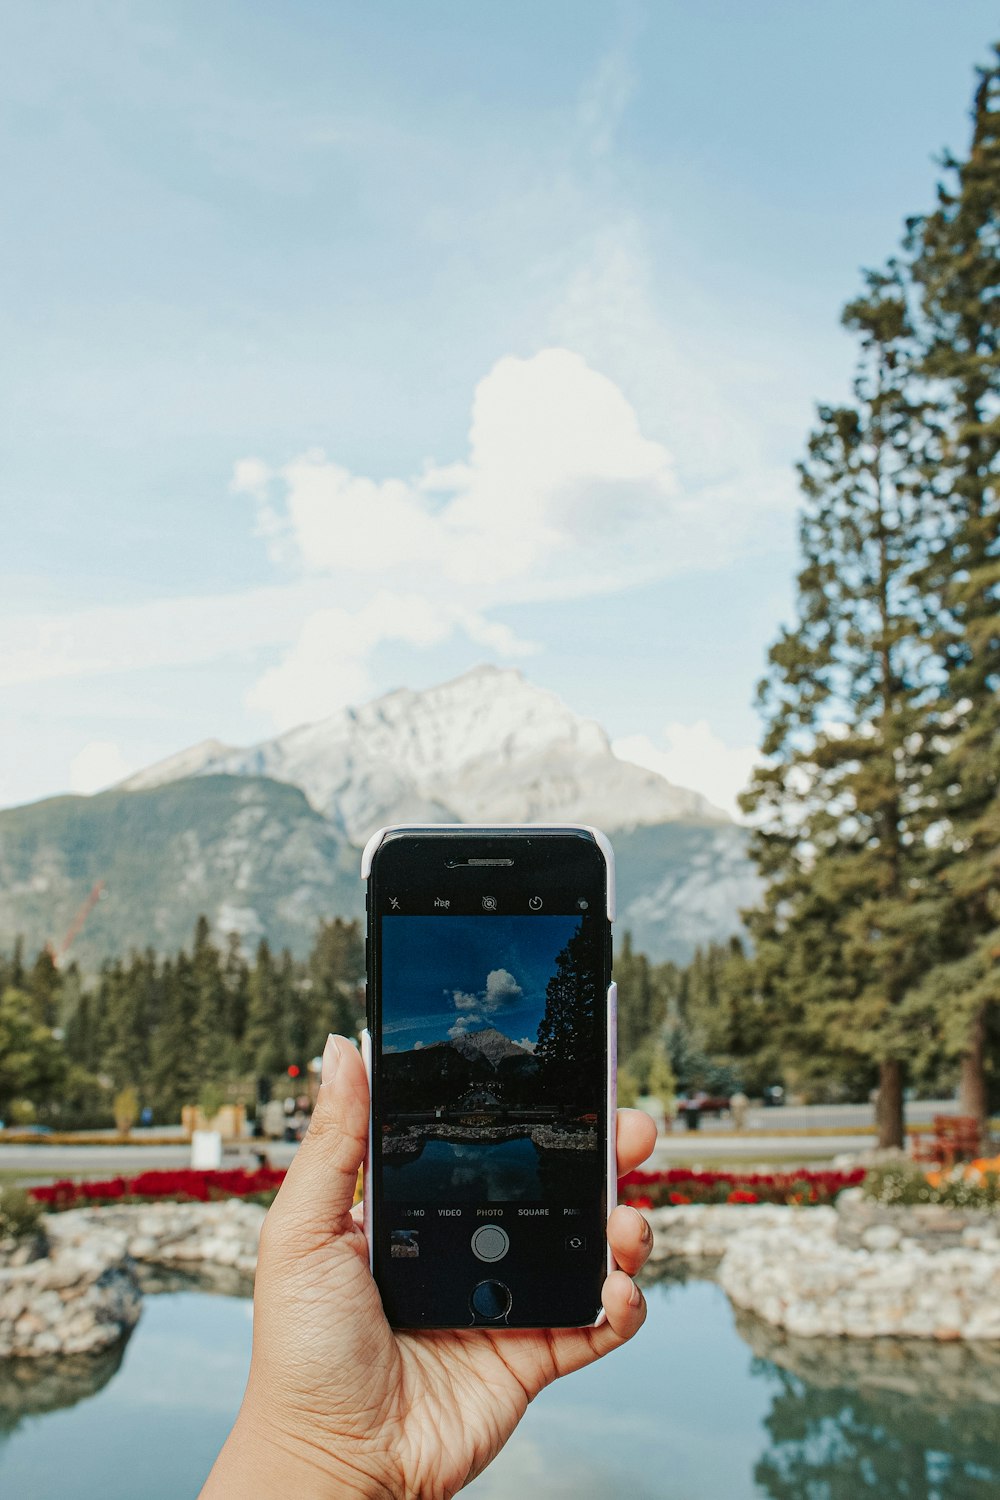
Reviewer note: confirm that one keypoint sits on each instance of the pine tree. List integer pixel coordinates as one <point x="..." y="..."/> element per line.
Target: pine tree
<point x="215" y="1056"/>
<point x="265" y="1043"/>
<point x="840" y="803"/>
<point x="635" y="998"/>
<point x="335" y="975"/>
<point x="43" y="986"/>
<point x="174" y="1078"/>
<point x="235" y="992"/>
<point x="956" y="268"/>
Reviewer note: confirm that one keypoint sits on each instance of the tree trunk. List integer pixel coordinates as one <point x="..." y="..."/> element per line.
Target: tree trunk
<point x="972" y="1079"/>
<point x="889" y="1104"/>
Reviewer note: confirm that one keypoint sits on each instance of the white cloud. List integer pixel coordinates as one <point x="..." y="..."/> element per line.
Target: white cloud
<point x="693" y="755"/>
<point x="528" y="1043"/>
<point x="98" y="765"/>
<point x="251" y="476"/>
<point x="183" y="631"/>
<point x="464" y="1024"/>
<point x="501" y="988"/>
<point x="561" y="494"/>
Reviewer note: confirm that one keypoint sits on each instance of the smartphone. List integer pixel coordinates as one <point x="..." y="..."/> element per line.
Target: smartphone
<point x="491" y="1054"/>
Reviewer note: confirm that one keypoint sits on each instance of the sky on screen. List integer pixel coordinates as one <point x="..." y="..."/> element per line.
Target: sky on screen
<point x="348" y="346"/>
<point x="451" y="990"/>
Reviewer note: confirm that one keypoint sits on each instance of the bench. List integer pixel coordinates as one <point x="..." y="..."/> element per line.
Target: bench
<point x="952" y="1138"/>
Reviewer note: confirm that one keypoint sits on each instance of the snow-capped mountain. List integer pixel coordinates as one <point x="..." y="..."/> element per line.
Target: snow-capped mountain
<point x="489" y="1043"/>
<point x="265" y="841"/>
<point x="487" y="746"/>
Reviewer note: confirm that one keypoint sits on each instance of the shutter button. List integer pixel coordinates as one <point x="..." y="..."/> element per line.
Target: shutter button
<point x="490" y="1243"/>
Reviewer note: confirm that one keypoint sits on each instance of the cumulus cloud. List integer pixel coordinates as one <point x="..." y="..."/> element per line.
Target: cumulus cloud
<point x="693" y="755"/>
<point x="558" y="481"/>
<point x="500" y="989"/>
<point x="464" y="1023"/>
<point x="560" y="495"/>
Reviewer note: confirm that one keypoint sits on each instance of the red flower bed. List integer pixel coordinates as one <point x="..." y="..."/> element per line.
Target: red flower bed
<point x="684" y="1185"/>
<point x="183" y="1184"/>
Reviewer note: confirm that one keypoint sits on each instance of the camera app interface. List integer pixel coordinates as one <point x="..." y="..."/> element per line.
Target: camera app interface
<point x="492" y="1097"/>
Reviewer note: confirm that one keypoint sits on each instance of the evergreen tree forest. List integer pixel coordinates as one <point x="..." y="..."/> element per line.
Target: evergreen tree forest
<point x="202" y="1023"/>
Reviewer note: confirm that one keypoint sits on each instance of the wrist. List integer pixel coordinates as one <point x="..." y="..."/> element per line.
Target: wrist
<point x="261" y="1462"/>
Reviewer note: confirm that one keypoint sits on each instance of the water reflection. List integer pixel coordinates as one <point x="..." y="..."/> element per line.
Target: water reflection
<point x="829" y="1444"/>
<point x="29" y="1387"/>
<point x="701" y="1404"/>
<point x="913" y="1419"/>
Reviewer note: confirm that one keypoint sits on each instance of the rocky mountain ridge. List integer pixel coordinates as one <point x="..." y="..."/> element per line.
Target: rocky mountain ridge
<point x="487" y="746"/>
<point x="266" y="841"/>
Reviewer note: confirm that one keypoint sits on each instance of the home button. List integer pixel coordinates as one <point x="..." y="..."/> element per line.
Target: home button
<point x="491" y="1300"/>
<point x="490" y="1242"/>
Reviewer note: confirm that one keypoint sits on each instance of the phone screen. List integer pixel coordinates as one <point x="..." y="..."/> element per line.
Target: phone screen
<point x="490" y="1098"/>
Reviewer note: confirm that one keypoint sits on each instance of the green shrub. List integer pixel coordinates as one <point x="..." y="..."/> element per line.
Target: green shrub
<point x="905" y="1184"/>
<point x="210" y="1100"/>
<point x="19" y="1214"/>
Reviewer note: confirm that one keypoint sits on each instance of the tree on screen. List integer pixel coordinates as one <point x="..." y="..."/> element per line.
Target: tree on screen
<point x="568" y="1049"/>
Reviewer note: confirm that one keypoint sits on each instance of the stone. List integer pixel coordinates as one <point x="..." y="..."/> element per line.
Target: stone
<point x="880" y="1237"/>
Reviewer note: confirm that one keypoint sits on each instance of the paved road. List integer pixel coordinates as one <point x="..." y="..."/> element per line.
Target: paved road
<point x="690" y="1148"/>
<point x="830" y="1116"/>
<point x="686" y="1147"/>
<point x="714" y="1139"/>
<point x="114" y="1161"/>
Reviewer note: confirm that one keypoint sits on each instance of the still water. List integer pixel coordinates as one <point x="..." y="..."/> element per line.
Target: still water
<point x="696" y="1408"/>
<point x="490" y="1171"/>
<point x="457" y="1172"/>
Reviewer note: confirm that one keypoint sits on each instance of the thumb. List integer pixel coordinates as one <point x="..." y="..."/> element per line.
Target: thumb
<point x="318" y="1190"/>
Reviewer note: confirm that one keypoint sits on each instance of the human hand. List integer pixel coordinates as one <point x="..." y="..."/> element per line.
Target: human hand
<point x="338" y="1403"/>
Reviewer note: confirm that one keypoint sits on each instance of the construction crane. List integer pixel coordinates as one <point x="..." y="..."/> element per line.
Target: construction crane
<point x="76" y="926"/>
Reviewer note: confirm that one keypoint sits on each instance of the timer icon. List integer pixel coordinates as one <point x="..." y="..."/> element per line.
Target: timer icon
<point x="535" y="903"/>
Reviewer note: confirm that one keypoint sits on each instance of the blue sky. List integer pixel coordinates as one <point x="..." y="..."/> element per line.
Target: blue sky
<point x="493" y="973"/>
<point x="348" y="346"/>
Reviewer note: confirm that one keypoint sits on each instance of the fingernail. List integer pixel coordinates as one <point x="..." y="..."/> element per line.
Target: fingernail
<point x="634" y="1296"/>
<point x="646" y="1231"/>
<point x="331" y="1059"/>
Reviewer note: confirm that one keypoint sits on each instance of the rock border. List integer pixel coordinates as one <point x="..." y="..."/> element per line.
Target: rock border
<point x="85" y="1296"/>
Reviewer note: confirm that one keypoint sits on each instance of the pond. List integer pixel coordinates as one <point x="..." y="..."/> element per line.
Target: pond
<point x="487" y="1172"/>
<point x="456" y="1172"/>
<point x="702" y="1406"/>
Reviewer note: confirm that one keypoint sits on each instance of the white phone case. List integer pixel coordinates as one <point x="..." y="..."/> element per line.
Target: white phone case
<point x="604" y="844"/>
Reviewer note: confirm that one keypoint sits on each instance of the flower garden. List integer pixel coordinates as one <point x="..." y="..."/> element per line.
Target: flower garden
<point x="182" y="1185"/>
<point x="680" y="1185"/>
<point x="971" y="1185"/>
